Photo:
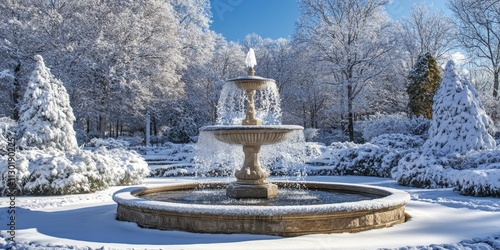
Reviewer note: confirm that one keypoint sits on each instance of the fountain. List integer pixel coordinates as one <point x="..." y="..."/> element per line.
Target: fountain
<point x="251" y="178"/>
<point x="252" y="204"/>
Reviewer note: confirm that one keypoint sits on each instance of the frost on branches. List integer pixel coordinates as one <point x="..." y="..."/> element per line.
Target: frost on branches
<point x="459" y="122"/>
<point x="46" y="117"/>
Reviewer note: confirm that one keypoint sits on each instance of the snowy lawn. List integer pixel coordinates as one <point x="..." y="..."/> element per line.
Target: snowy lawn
<point x="87" y="221"/>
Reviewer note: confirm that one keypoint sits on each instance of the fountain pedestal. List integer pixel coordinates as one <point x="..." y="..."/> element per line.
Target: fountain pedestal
<point x="251" y="177"/>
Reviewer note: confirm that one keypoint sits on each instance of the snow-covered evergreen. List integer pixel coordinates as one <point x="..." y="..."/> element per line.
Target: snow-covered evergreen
<point x="459" y="122"/>
<point x="46" y="117"/>
<point x="424" y="81"/>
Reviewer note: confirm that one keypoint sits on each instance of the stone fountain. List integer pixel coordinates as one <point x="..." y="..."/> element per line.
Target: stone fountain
<point x="251" y="178"/>
<point x="252" y="204"/>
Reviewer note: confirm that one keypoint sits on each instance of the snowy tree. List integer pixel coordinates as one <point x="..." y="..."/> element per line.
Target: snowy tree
<point x="19" y="40"/>
<point x="426" y="32"/>
<point x="459" y="122"/>
<point x="46" y="117"/>
<point x="479" y="33"/>
<point x="424" y="81"/>
<point x="354" y="39"/>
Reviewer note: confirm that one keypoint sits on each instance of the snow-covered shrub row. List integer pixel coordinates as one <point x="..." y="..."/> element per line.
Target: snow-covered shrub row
<point x="53" y="172"/>
<point x="109" y="143"/>
<point x="169" y="152"/>
<point x="329" y="136"/>
<point x="357" y="159"/>
<point x="376" y="158"/>
<point x="394" y="124"/>
<point x="476" y="173"/>
<point x="398" y="141"/>
<point x="418" y="170"/>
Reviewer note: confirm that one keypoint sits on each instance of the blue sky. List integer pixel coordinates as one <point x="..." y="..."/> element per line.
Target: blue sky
<point x="234" y="19"/>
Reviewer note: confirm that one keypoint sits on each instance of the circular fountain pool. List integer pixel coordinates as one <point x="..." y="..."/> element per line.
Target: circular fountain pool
<point x="315" y="207"/>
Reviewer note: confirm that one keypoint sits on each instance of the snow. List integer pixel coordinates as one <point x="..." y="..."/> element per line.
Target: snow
<point x="87" y="221"/>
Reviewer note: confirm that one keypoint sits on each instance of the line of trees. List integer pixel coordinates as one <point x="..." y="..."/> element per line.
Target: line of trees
<point x="124" y="62"/>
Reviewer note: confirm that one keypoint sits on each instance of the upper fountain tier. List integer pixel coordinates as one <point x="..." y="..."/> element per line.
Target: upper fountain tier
<point x="251" y="82"/>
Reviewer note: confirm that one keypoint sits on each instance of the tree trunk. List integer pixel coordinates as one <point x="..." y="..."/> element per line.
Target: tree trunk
<point x="117" y="128"/>
<point x="496" y="83"/>
<point x="148" y="129"/>
<point x="350" y="125"/>
<point x="102" y="126"/>
<point x="17" y="91"/>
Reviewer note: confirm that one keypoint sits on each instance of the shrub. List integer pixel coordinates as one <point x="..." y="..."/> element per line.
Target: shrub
<point x="398" y="141"/>
<point x="417" y="170"/>
<point x="477" y="173"/>
<point x="394" y="124"/>
<point x="354" y="159"/>
<point x="109" y="143"/>
<point x="53" y="172"/>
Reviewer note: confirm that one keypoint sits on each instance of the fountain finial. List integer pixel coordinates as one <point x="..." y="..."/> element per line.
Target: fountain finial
<point x="250" y="62"/>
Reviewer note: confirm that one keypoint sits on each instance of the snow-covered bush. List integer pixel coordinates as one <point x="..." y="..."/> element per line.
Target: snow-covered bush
<point x="477" y="173"/>
<point x="459" y="122"/>
<point x="398" y="141"/>
<point x="418" y="170"/>
<point x="108" y="143"/>
<point x="53" y="172"/>
<point x="330" y="136"/>
<point x="394" y="124"/>
<point x="46" y="117"/>
<point x="50" y="172"/>
<point x="356" y="159"/>
<point x="124" y="167"/>
<point x="310" y="134"/>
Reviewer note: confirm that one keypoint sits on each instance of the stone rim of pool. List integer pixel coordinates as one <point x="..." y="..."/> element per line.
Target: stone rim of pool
<point x="293" y="220"/>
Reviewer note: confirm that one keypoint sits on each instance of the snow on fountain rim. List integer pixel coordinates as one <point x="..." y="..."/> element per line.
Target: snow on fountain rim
<point x="258" y="78"/>
<point x="395" y="198"/>
<point x="250" y="127"/>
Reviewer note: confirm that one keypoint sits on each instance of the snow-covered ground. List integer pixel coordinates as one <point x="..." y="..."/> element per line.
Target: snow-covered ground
<point x="440" y="219"/>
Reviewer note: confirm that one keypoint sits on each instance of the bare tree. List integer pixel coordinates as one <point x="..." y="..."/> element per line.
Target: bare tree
<point x="353" y="39"/>
<point x="426" y="32"/>
<point x="479" y="33"/>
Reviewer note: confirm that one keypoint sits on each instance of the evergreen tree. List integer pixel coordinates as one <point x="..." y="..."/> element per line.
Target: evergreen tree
<point x="46" y="117"/>
<point x="459" y="122"/>
<point x="424" y="82"/>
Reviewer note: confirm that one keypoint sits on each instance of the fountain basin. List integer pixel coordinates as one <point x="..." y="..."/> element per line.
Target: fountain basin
<point x="251" y="135"/>
<point x="250" y="83"/>
<point x="292" y="220"/>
